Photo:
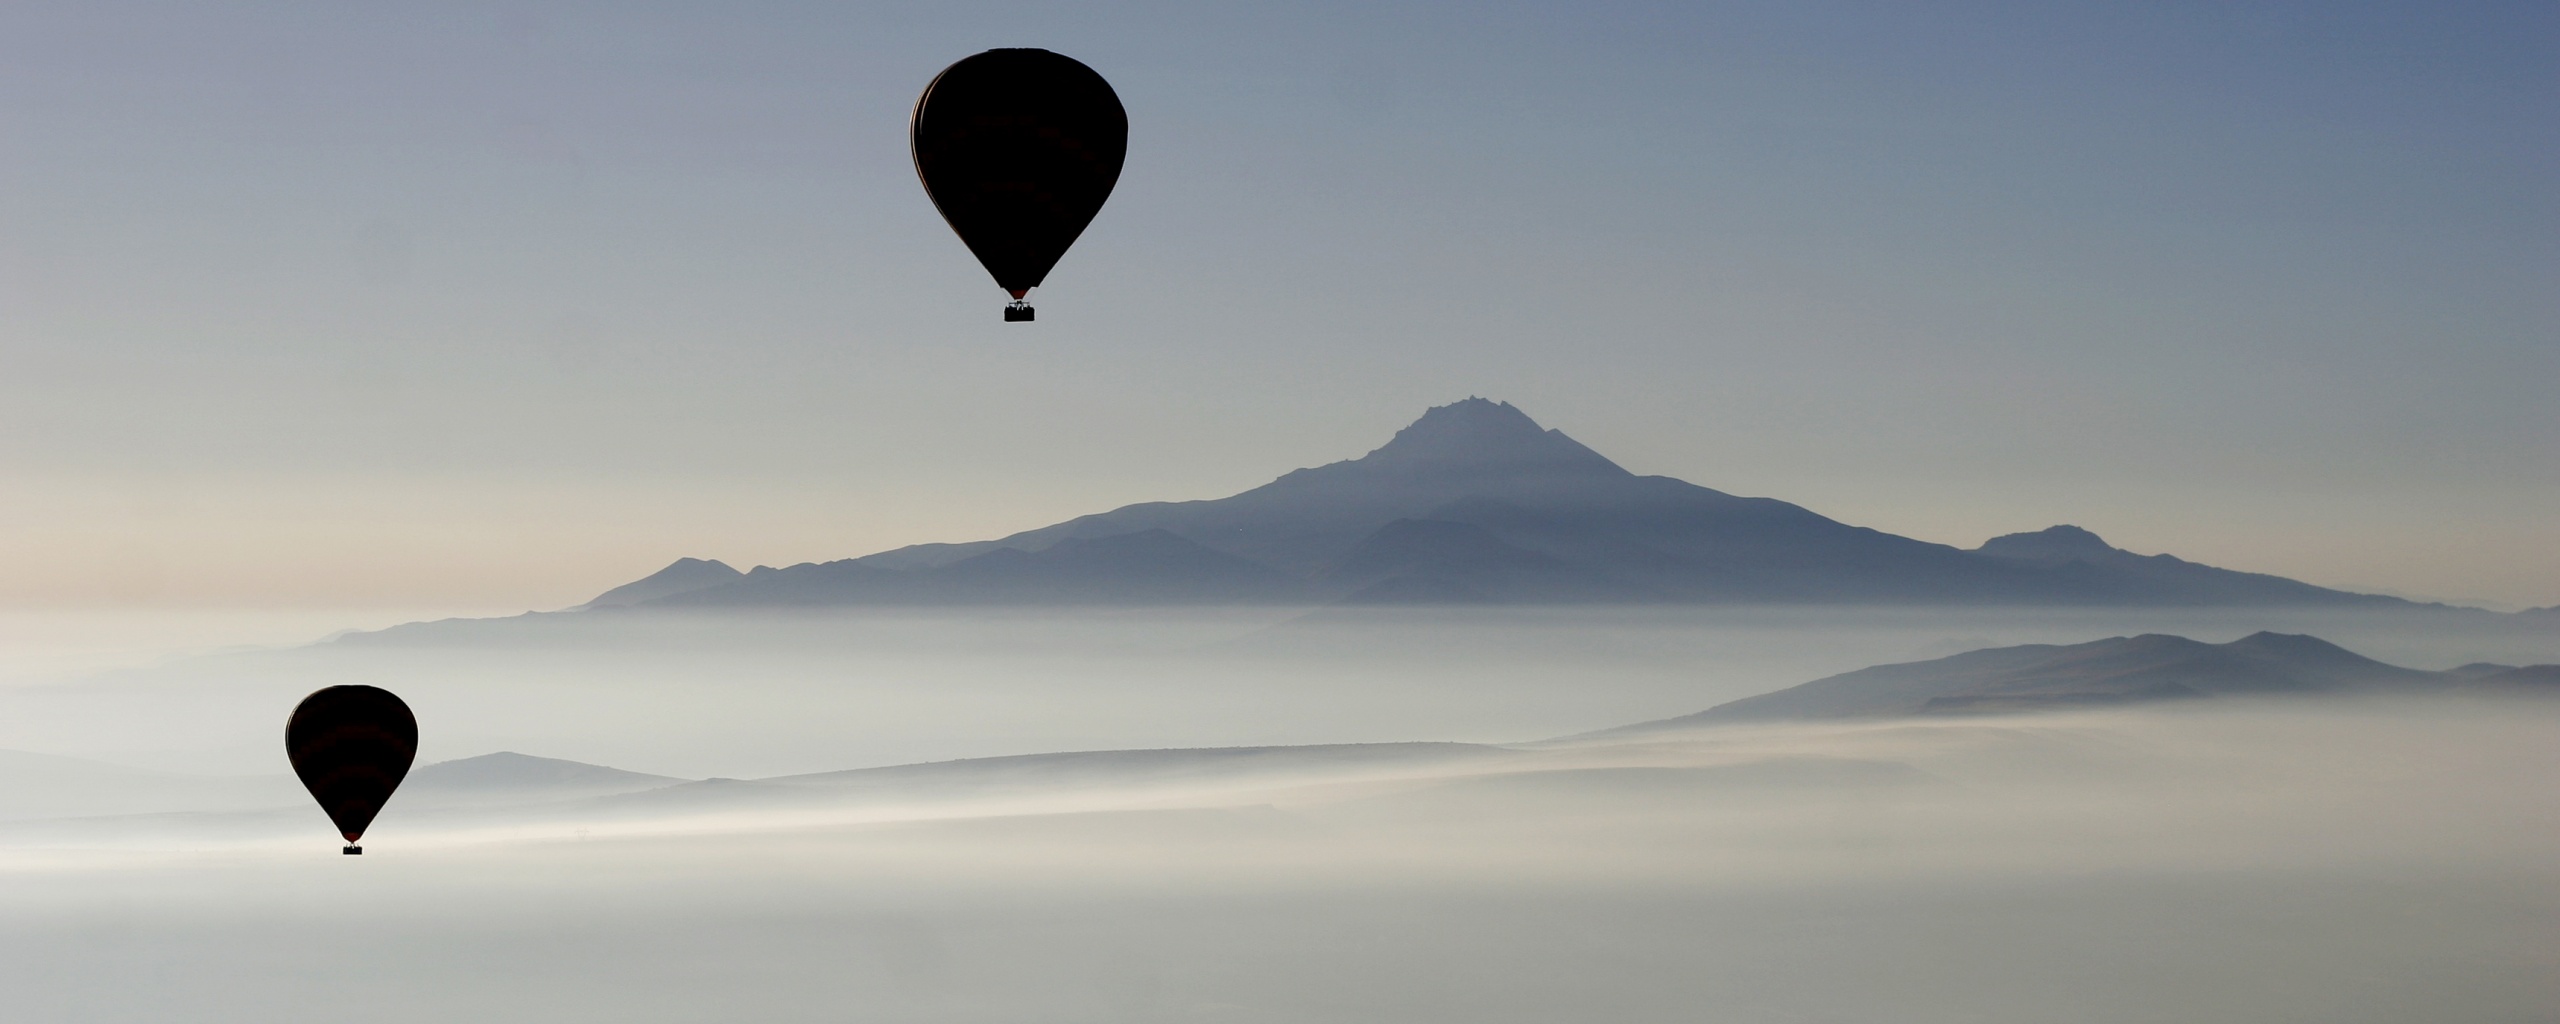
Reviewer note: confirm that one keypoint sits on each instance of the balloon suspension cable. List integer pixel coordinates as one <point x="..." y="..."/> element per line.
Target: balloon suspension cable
<point x="1017" y="312"/>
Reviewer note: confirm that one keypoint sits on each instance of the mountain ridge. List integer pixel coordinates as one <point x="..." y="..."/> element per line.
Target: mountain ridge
<point x="1476" y="503"/>
<point x="2151" y="667"/>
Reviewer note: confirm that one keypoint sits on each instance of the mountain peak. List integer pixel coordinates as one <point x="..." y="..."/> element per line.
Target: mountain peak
<point x="2051" y="544"/>
<point x="1483" y="434"/>
<point x="1508" y="507"/>
<point x="2296" y="647"/>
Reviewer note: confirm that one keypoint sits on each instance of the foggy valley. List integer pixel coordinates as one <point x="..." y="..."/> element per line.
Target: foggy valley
<point x="1417" y="814"/>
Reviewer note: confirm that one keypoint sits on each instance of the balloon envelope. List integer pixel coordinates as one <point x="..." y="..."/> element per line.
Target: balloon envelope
<point x="1018" y="149"/>
<point x="351" y="746"/>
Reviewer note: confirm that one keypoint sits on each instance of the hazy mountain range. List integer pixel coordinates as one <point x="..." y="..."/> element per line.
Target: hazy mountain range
<point x="1475" y="503"/>
<point x="45" y="794"/>
<point x="2117" y="670"/>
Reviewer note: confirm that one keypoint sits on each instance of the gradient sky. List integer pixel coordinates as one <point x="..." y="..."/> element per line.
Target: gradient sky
<point x="500" y="305"/>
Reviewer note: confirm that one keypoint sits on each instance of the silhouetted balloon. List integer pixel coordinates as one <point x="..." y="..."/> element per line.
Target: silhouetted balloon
<point x="1018" y="149"/>
<point x="351" y="746"/>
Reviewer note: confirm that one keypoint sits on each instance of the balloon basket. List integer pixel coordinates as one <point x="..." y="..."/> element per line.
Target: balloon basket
<point x="1018" y="313"/>
<point x="352" y="850"/>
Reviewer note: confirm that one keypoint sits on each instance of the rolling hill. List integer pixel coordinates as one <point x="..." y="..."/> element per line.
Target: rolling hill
<point x="2117" y="670"/>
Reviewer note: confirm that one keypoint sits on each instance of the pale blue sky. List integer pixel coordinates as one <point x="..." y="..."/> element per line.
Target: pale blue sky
<point x="339" y="303"/>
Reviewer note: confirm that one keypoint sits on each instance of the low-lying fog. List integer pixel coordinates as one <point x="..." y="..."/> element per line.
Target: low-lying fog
<point x="772" y="694"/>
<point x="2313" y="860"/>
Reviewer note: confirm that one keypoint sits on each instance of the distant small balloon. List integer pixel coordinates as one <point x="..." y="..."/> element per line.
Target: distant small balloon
<point x="351" y="746"/>
<point x="1019" y="149"/>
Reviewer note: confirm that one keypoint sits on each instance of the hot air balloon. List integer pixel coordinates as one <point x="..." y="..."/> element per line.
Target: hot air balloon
<point x="1018" y="149"/>
<point x="351" y="746"/>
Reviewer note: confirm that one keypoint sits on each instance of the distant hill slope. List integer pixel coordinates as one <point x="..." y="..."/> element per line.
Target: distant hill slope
<point x="2529" y="679"/>
<point x="1145" y="567"/>
<point x="1476" y="503"/>
<point x="1167" y="765"/>
<point x="2118" y="670"/>
<point x="2115" y="575"/>
<point x="684" y="574"/>
<point x="507" y="769"/>
<point x="507" y="777"/>
<point x="1027" y="775"/>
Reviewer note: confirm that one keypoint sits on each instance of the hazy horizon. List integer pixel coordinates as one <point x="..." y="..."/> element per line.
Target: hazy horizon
<point x="319" y="319"/>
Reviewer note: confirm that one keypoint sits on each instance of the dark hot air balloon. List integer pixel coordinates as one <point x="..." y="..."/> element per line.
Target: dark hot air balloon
<point x="1018" y="149"/>
<point x="351" y="746"/>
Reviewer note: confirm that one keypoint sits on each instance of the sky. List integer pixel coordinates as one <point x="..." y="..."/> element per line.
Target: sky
<point x="497" y="306"/>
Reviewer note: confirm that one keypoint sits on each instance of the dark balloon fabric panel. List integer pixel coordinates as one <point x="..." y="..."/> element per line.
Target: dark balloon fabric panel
<point x="351" y="746"/>
<point x="1018" y="149"/>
